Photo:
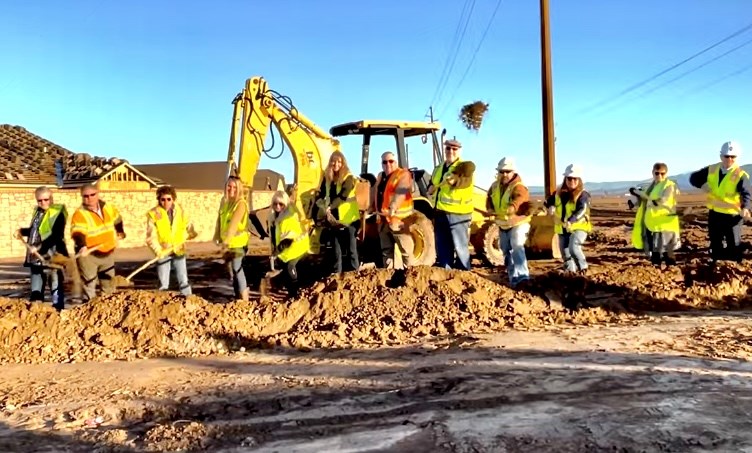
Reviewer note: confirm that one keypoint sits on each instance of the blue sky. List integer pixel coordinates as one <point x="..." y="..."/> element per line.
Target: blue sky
<point x="153" y="81"/>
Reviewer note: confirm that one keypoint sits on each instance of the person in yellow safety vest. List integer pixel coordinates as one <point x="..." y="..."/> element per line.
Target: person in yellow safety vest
<point x="45" y="237"/>
<point x="509" y="200"/>
<point x="453" y="208"/>
<point x="392" y="200"/>
<point x="167" y="230"/>
<point x="336" y="208"/>
<point x="231" y="233"/>
<point x="729" y="200"/>
<point x="290" y="242"/>
<point x="656" y="226"/>
<point x="96" y="227"/>
<point x="570" y="206"/>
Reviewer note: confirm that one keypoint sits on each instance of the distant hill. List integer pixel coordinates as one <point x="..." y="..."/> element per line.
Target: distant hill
<point x="621" y="187"/>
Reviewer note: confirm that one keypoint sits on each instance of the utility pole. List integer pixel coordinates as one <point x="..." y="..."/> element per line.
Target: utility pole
<point x="549" y="156"/>
<point x="430" y="113"/>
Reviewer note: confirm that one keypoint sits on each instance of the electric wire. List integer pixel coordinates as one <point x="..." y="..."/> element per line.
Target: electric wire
<point x="712" y="83"/>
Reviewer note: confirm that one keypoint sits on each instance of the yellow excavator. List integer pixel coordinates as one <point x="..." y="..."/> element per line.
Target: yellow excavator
<point x="257" y="108"/>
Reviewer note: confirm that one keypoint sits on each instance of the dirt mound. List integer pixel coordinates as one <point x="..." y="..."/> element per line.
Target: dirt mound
<point x="380" y="307"/>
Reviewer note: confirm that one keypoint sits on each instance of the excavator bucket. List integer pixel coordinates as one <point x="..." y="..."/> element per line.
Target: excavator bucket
<point x="542" y="239"/>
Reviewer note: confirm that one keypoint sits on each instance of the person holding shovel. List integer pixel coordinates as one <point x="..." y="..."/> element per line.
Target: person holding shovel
<point x="167" y="230"/>
<point x="231" y="233"/>
<point x="290" y="242"/>
<point x="452" y="190"/>
<point x="656" y="225"/>
<point x="46" y="237"/>
<point x="96" y="227"/>
<point x="570" y="206"/>
<point x="509" y="200"/>
<point x="392" y="200"/>
<point x="729" y="201"/>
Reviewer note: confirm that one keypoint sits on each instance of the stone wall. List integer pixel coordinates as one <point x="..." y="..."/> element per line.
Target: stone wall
<point x="16" y="208"/>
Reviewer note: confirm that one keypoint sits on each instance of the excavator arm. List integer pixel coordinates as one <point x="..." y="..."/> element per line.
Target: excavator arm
<point x="256" y="109"/>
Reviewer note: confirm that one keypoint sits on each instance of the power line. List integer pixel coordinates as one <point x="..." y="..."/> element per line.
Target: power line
<point x="454" y="51"/>
<point x="717" y="81"/>
<point x="637" y="85"/>
<point x="475" y="54"/>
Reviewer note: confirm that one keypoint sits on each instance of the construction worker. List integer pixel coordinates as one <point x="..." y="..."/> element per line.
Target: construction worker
<point x="728" y="202"/>
<point x="393" y="202"/>
<point x="452" y="193"/>
<point x="509" y="200"/>
<point x="337" y="210"/>
<point x="290" y="242"/>
<point x="167" y="230"/>
<point x="46" y="236"/>
<point x="96" y="227"/>
<point x="571" y="207"/>
<point x="231" y="234"/>
<point x="656" y="225"/>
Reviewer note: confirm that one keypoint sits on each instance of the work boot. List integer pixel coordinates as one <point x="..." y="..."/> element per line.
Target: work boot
<point x="655" y="259"/>
<point x="670" y="260"/>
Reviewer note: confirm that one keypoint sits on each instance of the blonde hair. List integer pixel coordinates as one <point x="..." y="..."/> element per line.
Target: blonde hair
<point x="41" y="190"/>
<point x="281" y="196"/>
<point x="345" y="170"/>
<point x="238" y="184"/>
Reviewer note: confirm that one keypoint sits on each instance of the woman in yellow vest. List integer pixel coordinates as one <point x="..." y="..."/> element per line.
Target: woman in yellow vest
<point x="337" y="209"/>
<point x="231" y="233"/>
<point x="45" y="237"/>
<point x="167" y="230"/>
<point x="729" y="202"/>
<point x="290" y="241"/>
<point x="656" y="226"/>
<point x="570" y="206"/>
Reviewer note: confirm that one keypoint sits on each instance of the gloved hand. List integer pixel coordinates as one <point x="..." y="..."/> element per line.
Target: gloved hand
<point x="284" y="244"/>
<point x="17" y="234"/>
<point x="633" y="191"/>
<point x="567" y="225"/>
<point x="164" y="252"/>
<point x="631" y="204"/>
<point x="121" y="235"/>
<point x="451" y="180"/>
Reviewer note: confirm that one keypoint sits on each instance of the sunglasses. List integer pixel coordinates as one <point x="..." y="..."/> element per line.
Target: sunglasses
<point x="89" y="195"/>
<point x="729" y="157"/>
<point x="569" y="178"/>
<point x="278" y="204"/>
<point x="505" y="172"/>
<point x="659" y="173"/>
<point x="450" y="148"/>
<point x="43" y="200"/>
<point x="388" y="161"/>
<point x="165" y="199"/>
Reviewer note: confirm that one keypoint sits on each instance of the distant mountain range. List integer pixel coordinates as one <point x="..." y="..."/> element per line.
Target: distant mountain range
<point x="622" y="187"/>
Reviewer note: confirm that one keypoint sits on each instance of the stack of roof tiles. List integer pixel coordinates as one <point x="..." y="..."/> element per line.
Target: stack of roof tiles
<point x="26" y="158"/>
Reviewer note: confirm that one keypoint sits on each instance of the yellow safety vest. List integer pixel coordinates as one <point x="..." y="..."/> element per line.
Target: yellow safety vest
<point x="582" y="225"/>
<point x="287" y="226"/>
<point x="49" y="218"/>
<point x="724" y="197"/>
<point x="656" y="218"/>
<point x="347" y="211"/>
<point x="500" y="204"/>
<point x="450" y="199"/>
<point x="169" y="235"/>
<point x="226" y="211"/>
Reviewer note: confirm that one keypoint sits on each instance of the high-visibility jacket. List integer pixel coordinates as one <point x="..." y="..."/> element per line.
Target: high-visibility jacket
<point x="500" y="202"/>
<point x="405" y="208"/>
<point x="661" y="218"/>
<point x="347" y="211"/>
<point x="49" y="218"/>
<point x="581" y="225"/>
<point x="226" y="211"/>
<point x="168" y="235"/>
<point x="287" y="226"/>
<point x="98" y="230"/>
<point x="450" y="199"/>
<point x="724" y="197"/>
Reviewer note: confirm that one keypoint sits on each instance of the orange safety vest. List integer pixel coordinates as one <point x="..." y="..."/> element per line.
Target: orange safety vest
<point x="99" y="231"/>
<point x="406" y="207"/>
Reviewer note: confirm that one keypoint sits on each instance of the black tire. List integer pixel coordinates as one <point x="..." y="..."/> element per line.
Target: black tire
<point x="486" y="244"/>
<point x="421" y="230"/>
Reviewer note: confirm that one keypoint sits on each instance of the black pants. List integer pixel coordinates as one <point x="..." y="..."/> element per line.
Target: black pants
<point x="345" y="248"/>
<point x="725" y="228"/>
<point x="289" y="276"/>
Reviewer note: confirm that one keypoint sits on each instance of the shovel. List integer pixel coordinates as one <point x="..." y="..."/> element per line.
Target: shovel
<point x="127" y="281"/>
<point x="266" y="282"/>
<point x="47" y="263"/>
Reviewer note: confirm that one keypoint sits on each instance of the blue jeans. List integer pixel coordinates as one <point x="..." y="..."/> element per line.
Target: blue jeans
<point x="236" y="269"/>
<point x="40" y="276"/>
<point x="452" y="233"/>
<point x="512" y="243"/>
<point x="570" y="245"/>
<point x="181" y="273"/>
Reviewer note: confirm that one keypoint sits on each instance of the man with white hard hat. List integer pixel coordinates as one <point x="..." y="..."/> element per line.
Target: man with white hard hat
<point x="509" y="200"/>
<point x="729" y="201"/>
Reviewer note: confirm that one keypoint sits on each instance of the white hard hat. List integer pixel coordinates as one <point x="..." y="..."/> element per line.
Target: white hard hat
<point x="731" y="148"/>
<point x="573" y="171"/>
<point x="506" y="164"/>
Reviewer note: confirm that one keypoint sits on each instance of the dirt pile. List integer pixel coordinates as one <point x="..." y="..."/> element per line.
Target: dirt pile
<point x="379" y="307"/>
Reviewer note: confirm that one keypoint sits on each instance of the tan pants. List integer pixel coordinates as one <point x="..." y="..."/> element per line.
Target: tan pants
<point x="404" y="243"/>
<point x="92" y="268"/>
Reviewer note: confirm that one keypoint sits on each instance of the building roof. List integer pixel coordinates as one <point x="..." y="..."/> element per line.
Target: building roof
<point x="27" y="158"/>
<point x="205" y="175"/>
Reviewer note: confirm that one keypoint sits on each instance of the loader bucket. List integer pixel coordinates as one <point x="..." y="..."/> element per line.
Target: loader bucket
<point x="542" y="239"/>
